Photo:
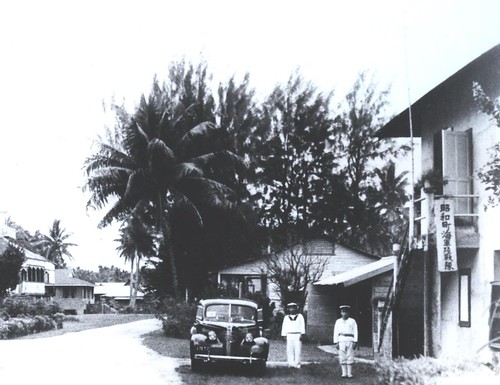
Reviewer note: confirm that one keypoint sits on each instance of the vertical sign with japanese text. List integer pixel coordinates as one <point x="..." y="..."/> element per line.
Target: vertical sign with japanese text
<point x="445" y="235"/>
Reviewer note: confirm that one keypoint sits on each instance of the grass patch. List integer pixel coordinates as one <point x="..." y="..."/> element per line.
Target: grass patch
<point x="325" y="367"/>
<point x="179" y="348"/>
<point x="90" y="321"/>
<point x="312" y="374"/>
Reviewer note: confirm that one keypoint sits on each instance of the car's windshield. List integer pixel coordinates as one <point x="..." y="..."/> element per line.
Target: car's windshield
<point x="229" y="313"/>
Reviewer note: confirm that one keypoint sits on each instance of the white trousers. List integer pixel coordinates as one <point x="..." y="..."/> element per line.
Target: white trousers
<point x="293" y="349"/>
<point x="346" y="352"/>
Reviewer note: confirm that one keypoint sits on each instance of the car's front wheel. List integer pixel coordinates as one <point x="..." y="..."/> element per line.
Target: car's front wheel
<point x="196" y="365"/>
<point x="260" y="367"/>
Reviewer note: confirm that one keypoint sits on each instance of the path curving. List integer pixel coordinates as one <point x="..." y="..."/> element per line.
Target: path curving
<point x="109" y="355"/>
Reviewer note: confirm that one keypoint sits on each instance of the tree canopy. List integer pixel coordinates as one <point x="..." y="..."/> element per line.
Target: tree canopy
<point x="218" y="176"/>
<point x="11" y="261"/>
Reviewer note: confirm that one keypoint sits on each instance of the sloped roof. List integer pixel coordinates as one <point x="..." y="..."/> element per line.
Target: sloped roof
<point x="484" y="69"/>
<point x="319" y="247"/>
<point x="30" y="256"/>
<point x="359" y="274"/>
<point x="117" y="290"/>
<point x="64" y="277"/>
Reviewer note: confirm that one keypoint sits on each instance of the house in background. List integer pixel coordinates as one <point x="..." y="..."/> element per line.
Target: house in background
<point x="72" y="294"/>
<point x="455" y="248"/>
<point x="39" y="278"/>
<point x="36" y="276"/>
<point x="351" y="276"/>
<point x="118" y="292"/>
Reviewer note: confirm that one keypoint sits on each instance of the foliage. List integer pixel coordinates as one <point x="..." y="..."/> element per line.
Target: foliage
<point x="25" y="239"/>
<point x="421" y="371"/>
<point x="18" y="327"/>
<point x="293" y="270"/>
<point x="290" y="155"/>
<point x="167" y="153"/>
<point x="55" y="246"/>
<point x="489" y="174"/>
<point x="177" y="317"/>
<point x="11" y="261"/>
<point x="16" y="305"/>
<point x="355" y="143"/>
<point x="431" y="180"/>
<point x="104" y="274"/>
<point x="136" y="241"/>
<point x="25" y="315"/>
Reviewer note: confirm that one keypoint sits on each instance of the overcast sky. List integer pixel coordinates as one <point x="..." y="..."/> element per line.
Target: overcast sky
<point x="62" y="60"/>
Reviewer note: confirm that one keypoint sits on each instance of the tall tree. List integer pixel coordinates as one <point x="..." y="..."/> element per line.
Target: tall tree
<point x="136" y="241"/>
<point x="11" y="261"/>
<point x="55" y="245"/>
<point x="289" y="155"/>
<point x="163" y="155"/>
<point x="354" y="132"/>
<point x="387" y="219"/>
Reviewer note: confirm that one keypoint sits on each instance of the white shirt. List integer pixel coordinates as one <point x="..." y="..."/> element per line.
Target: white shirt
<point x="345" y="330"/>
<point x="293" y="324"/>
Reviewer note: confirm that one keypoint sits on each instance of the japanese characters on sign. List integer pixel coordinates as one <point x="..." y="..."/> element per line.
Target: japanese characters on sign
<point x="445" y="235"/>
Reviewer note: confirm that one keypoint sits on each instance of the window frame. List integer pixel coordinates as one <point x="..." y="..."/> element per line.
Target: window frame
<point x="464" y="297"/>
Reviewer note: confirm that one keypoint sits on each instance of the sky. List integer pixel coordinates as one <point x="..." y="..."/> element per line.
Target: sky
<point x="62" y="62"/>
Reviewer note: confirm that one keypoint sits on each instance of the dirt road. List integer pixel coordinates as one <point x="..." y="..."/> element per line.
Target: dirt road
<point x="110" y="355"/>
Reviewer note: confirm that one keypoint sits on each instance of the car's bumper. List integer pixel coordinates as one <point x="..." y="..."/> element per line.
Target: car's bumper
<point x="221" y="358"/>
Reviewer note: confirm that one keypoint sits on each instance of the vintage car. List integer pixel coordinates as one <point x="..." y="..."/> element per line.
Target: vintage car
<point x="228" y="330"/>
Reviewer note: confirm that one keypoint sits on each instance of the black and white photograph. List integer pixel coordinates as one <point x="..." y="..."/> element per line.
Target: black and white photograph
<point x="234" y="192"/>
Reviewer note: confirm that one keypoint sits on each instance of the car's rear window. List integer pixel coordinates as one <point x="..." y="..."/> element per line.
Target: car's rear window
<point x="229" y="313"/>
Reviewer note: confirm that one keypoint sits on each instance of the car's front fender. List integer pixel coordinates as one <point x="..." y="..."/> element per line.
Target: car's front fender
<point x="261" y="345"/>
<point x="198" y="339"/>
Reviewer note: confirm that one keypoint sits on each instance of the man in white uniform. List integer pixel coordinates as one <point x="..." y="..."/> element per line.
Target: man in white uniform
<point x="345" y="338"/>
<point x="293" y="328"/>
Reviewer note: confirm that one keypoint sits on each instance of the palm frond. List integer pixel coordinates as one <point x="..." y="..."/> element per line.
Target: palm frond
<point x="201" y="130"/>
<point x="187" y="169"/>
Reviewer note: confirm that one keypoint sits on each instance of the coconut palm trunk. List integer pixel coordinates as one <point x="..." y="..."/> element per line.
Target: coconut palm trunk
<point x="132" y="294"/>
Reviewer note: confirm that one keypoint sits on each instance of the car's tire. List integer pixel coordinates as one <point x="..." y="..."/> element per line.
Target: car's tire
<point x="260" y="368"/>
<point x="196" y="365"/>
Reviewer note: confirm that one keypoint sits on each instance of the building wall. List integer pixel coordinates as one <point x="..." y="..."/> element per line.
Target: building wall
<point x="408" y="315"/>
<point x="323" y="305"/>
<point x="77" y="304"/>
<point x="453" y="106"/>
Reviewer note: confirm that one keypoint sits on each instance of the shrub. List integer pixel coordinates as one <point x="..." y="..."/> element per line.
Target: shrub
<point x="177" y="317"/>
<point x="18" y="327"/>
<point x="420" y="371"/>
<point x="16" y="306"/>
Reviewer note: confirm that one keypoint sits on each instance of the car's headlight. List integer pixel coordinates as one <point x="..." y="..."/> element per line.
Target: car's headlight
<point x="212" y="336"/>
<point x="193" y="330"/>
<point x="248" y="337"/>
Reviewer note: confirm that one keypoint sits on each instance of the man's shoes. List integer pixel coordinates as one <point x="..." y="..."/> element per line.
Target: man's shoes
<point x="344" y="376"/>
<point x="350" y="376"/>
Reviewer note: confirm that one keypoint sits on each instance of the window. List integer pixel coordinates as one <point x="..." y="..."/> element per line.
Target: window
<point x="464" y="298"/>
<point x="457" y="169"/>
<point x="69" y="292"/>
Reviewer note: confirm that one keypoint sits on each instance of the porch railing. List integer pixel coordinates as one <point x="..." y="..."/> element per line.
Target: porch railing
<point x="465" y="214"/>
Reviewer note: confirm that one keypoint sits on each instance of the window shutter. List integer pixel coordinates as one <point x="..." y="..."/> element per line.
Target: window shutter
<point x="457" y="167"/>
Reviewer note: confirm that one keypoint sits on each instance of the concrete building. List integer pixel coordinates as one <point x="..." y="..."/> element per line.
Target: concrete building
<point x="455" y="247"/>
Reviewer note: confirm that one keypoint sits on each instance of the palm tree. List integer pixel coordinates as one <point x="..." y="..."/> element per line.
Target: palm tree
<point x="388" y="203"/>
<point x="136" y="241"/>
<point x="155" y="161"/>
<point x="55" y="245"/>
